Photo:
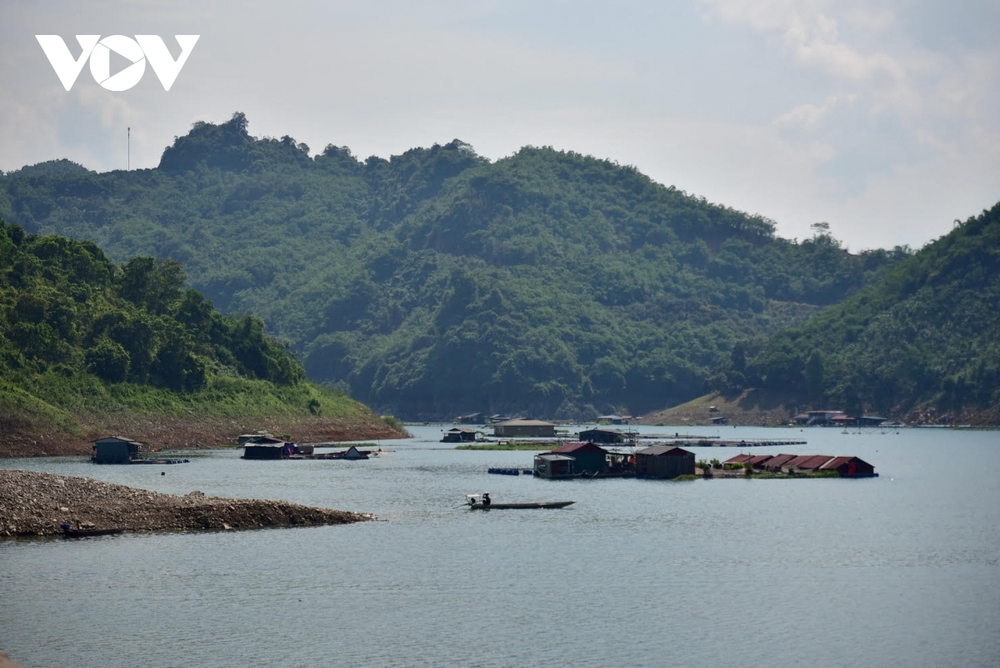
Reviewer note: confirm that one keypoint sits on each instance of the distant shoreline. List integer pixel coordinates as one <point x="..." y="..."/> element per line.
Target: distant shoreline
<point x="169" y="433"/>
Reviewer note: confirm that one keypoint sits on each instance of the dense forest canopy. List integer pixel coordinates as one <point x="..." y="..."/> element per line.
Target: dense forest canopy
<point x="923" y="341"/>
<point x="437" y="282"/>
<point x="66" y="309"/>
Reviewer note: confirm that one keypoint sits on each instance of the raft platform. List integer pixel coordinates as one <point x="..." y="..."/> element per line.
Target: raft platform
<point x="745" y="443"/>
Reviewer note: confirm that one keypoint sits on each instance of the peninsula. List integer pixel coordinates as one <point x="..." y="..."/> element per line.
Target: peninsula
<point x="38" y="504"/>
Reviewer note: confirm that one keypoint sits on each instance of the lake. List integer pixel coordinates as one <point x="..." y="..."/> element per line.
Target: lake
<point x="899" y="570"/>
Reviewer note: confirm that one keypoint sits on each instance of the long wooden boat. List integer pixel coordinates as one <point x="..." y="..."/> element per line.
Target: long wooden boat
<point x="478" y="505"/>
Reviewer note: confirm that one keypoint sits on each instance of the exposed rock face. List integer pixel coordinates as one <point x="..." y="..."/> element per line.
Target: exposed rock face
<point x="36" y="504"/>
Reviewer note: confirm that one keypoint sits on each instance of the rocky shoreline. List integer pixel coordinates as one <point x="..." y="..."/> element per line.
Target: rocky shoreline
<point x="37" y="504"/>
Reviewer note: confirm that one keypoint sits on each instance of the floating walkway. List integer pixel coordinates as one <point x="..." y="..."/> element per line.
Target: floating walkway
<point x="744" y="443"/>
<point x="147" y="461"/>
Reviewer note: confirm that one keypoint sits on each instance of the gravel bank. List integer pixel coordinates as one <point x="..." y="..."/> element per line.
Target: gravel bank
<point x="36" y="504"/>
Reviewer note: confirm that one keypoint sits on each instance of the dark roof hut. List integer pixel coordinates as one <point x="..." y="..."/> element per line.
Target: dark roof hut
<point x="116" y="450"/>
<point x="459" y="435"/>
<point x="524" y="428"/>
<point x="602" y="435"/>
<point x="663" y="461"/>
<point x="591" y="459"/>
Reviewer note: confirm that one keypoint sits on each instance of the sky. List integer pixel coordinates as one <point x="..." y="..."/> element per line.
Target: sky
<point x="880" y="118"/>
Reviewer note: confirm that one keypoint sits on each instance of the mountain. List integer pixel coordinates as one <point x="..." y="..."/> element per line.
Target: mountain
<point x="88" y="347"/>
<point x="923" y="342"/>
<point x="437" y="282"/>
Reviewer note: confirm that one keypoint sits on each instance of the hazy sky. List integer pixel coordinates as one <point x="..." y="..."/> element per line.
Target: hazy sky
<point x="879" y="117"/>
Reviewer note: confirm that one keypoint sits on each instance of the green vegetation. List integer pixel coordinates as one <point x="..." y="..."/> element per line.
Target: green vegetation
<point x="393" y="423"/>
<point x="511" y="445"/>
<point x="82" y="339"/>
<point x="923" y="342"/>
<point x="437" y="283"/>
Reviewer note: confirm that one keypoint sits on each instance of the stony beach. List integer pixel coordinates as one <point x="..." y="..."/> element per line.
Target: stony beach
<point x="37" y="504"/>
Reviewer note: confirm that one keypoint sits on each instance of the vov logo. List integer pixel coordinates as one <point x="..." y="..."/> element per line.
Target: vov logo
<point x="137" y="51"/>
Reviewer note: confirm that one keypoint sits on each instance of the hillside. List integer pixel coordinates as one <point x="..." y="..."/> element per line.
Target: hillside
<point x="922" y="344"/>
<point x="88" y="349"/>
<point x="437" y="282"/>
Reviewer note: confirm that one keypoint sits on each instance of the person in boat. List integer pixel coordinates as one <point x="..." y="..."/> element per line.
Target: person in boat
<point x="486" y="499"/>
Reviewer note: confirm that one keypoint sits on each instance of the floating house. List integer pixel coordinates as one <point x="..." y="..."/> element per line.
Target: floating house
<point x="775" y="463"/>
<point x="805" y="463"/>
<point x="524" y="428"/>
<point x="572" y="459"/>
<point x="602" y="435"/>
<point x="243" y="438"/>
<point x="353" y="453"/>
<point x="459" y="435"/>
<point x="116" y="450"/>
<point x="756" y="461"/>
<point x="663" y="461"/>
<point x="819" y="418"/>
<point x="268" y="447"/>
<point x="613" y="419"/>
<point x="549" y="465"/>
<point x="590" y="458"/>
<point x="847" y="467"/>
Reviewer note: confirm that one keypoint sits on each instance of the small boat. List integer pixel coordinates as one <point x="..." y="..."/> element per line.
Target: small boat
<point x="79" y="532"/>
<point x="476" y="503"/>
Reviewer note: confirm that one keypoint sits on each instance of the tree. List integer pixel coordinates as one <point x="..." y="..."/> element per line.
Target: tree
<point x="815" y="380"/>
<point x="109" y="361"/>
<point x="152" y="284"/>
<point x="138" y="335"/>
<point x="178" y="367"/>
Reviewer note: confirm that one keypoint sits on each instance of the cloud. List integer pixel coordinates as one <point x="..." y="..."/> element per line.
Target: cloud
<point x="900" y="116"/>
<point x="812" y="115"/>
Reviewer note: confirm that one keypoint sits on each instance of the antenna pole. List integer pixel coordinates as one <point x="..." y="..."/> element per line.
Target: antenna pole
<point x="128" y="149"/>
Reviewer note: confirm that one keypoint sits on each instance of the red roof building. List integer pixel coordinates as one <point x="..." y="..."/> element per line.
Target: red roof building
<point x="849" y="467"/>
<point x="775" y="463"/>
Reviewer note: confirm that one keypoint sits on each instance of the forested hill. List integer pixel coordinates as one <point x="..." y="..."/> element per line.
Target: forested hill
<point x="86" y="344"/>
<point x="437" y="282"/>
<point x="923" y="343"/>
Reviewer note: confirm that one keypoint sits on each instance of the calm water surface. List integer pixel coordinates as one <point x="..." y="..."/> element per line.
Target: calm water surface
<point x="902" y="570"/>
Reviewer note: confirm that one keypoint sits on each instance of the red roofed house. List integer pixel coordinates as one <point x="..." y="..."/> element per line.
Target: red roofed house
<point x="849" y="467"/>
<point x="775" y="463"/>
